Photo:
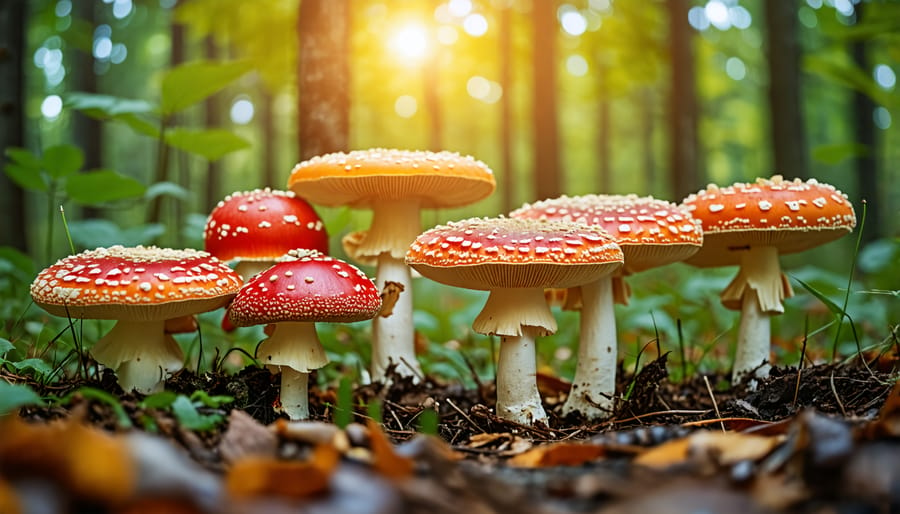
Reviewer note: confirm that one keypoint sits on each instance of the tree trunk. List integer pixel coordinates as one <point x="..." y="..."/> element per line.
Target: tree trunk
<point x="867" y="163"/>
<point x="87" y="132"/>
<point x="13" y="20"/>
<point x="785" y="103"/>
<point x="506" y="110"/>
<point x="212" y="119"/>
<point x="270" y="176"/>
<point x="547" y="179"/>
<point x="684" y="166"/>
<point x="604" y="132"/>
<point x="648" y="127"/>
<point x="323" y="77"/>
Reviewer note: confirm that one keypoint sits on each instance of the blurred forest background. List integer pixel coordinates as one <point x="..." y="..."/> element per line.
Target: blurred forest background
<point x="139" y="115"/>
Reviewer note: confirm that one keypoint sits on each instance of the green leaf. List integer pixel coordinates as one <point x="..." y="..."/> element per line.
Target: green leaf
<point x="27" y="178"/>
<point x="24" y="158"/>
<point x="139" y="125"/>
<point x="833" y="307"/>
<point x="166" y="189"/>
<point x="192" y="82"/>
<point x="19" y="260"/>
<point x="849" y="75"/>
<point x="212" y="144"/>
<point x="5" y="346"/>
<point x="214" y="401"/>
<point x="62" y="160"/>
<point x="93" y="233"/>
<point x="835" y="153"/>
<point x="102" y="186"/>
<point x="13" y="396"/>
<point x="39" y="366"/>
<point x="189" y="417"/>
<point x="106" y="106"/>
<point x="158" y="400"/>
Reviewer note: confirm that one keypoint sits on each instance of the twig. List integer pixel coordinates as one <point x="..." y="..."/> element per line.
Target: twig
<point x="800" y="367"/>
<point x="412" y="368"/>
<point x="836" y="396"/>
<point x="713" y="398"/>
<point x="464" y="415"/>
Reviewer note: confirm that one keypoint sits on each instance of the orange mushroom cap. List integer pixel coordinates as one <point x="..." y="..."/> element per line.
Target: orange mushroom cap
<point x="791" y="216"/>
<point x="134" y="284"/>
<point x="433" y="179"/>
<point x="651" y="232"/>
<point x="485" y="253"/>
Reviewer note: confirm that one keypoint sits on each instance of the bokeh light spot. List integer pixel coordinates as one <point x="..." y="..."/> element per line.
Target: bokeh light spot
<point x="885" y="76"/>
<point x="475" y="25"/>
<point x="735" y="68"/>
<point x="51" y="107"/>
<point x="410" y="42"/>
<point x="573" y="22"/>
<point x="717" y="14"/>
<point x="882" y="118"/>
<point x="697" y="18"/>
<point x="406" y="106"/>
<point x="242" y="111"/>
<point x="459" y="8"/>
<point x="577" y="65"/>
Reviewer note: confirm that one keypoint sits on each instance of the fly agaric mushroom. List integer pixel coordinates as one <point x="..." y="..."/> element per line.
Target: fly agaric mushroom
<point x="305" y="286"/>
<point x="750" y="225"/>
<point x="651" y="233"/>
<point x="396" y="185"/>
<point x="257" y="227"/>
<point x="515" y="259"/>
<point x="141" y="287"/>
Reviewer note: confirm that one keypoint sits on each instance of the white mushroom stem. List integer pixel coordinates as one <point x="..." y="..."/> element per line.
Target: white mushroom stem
<point x="393" y="339"/>
<point x="758" y="290"/>
<point x="141" y="353"/>
<point x="246" y="269"/>
<point x="293" y="349"/>
<point x="395" y="224"/>
<point x="595" y="374"/>
<point x="518" y="398"/>
<point x="518" y="315"/>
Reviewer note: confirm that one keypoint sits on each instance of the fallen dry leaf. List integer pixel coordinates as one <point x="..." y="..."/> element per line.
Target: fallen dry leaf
<point x="559" y="454"/>
<point x="92" y="464"/>
<point x="262" y="476"/>
<point x="389" y="296"/>
<point x="721" y="447"/>
<point x="9" y="504"/>
<point x="888" y="422"/>
<point x="384" y="459"/>
<point x="245" y="437"/>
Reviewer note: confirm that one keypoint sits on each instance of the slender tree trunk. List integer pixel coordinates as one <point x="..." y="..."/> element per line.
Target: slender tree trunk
<point x="506" y="110"/>
<point x="432" y="82"/>
<point x="270" y="150"/>
<point x="13" y="20"/>
<point x="785" y="103"/>
<point x="545" y="123"/>
<point x="87" y="132"/>
<point x="604" y="132"/>
<point x="647" y="131"/>
<point x="683" y="115"/>
<point x="323" y="77"/>
<point x="212" y="119"/>
<point x="866" y="164"/>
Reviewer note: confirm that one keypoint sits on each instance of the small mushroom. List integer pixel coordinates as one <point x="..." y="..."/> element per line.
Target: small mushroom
<point x="515" y="259"/>
<point x="651" y="233"/>
<point x="304" y="287"/>
<point x="396" y="185"/>
<point x="141" y="287"/>
<point x="750" y="225"/>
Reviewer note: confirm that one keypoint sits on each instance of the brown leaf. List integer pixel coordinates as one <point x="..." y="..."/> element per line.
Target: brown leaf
<point x="559" y="454"/>
<point x="384" y="459"/>
<point x="9" y="504"/>
<point x="721" y="447"/>
<point x="888" y="422"/>
<point x="245" y="437"/>
<point x="389" y="296"/>
<point x="91" y="464"/>
<point x="262" y="476"/>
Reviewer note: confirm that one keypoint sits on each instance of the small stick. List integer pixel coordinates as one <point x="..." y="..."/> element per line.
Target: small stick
<point x="713" y="398"/>
<point x="800" y="367"/>
<point x="466" y="416"/>
<point x="836" y="396"/>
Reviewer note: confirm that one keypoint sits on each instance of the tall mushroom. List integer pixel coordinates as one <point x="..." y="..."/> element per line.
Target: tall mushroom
<point x="141" y="287"/>
<point x="305" y="286"/>
<point x="395" y="185"/>
<point x="750" y="225"/>
<point x="515" y="259"/>
<point x="651" y="233"/>
<point x="256" y="227"/>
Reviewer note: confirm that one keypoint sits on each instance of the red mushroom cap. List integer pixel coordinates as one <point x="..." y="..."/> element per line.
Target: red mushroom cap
<point x="791" y="216"/>
<point x="306" y="286"/>
<point x="486" y="253"/>
<point x="651" y="232"/>
<point x="134" y="284"/>
<point x="262" y="225"/>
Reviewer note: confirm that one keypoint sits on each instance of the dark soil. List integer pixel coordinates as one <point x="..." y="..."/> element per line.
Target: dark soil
<point x="838" y="443"/>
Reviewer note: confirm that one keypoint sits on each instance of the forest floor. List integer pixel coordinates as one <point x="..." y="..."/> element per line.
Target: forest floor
<point x="827" y="440"/>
